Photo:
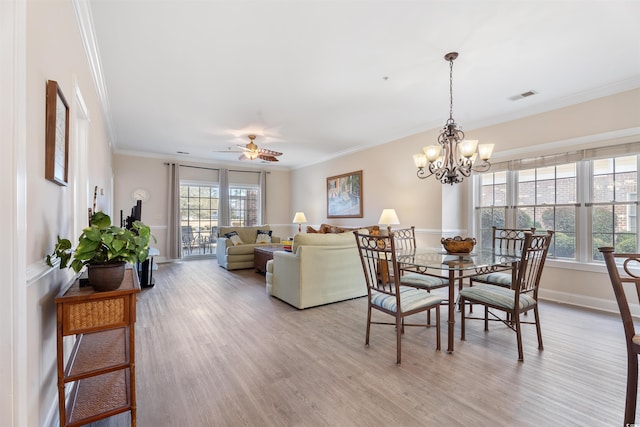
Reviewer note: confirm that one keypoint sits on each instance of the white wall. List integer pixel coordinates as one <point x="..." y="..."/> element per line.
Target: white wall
<point x="389" y="181"/>
<point x="54" y="51"/>
<point x="13" y="396"/>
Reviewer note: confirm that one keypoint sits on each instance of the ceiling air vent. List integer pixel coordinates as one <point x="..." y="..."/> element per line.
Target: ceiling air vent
<point x="523" y="95"/>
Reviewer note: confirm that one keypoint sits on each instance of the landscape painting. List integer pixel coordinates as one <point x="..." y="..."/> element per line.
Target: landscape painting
<point x="344" y="195"/>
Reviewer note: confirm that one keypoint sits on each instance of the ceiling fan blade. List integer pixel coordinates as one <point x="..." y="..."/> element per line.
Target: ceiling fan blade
<point x="251" y="151"/>
<point x="268" y="152"/>
<point x="267" y="158"/>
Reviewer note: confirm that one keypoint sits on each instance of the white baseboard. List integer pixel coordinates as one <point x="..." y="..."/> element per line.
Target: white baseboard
<point x="586" y="302"/>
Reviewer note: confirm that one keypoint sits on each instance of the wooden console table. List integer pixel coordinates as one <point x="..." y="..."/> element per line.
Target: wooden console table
<point x="101" y="367"/>
<point x="262" y="254"/>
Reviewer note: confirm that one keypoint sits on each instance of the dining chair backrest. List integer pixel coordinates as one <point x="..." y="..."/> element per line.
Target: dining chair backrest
<point x="534" y="254"/>
<point x="378" y="257"/>
<point x="404" y="238"/>
<point x="628" y="276"/>
<point x="509" y="240"/>
<point x="619" y="273"/>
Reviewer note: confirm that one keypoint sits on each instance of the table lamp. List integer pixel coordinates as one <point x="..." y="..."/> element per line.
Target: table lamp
<point x="299" y="219"/>
<point x="388" y="217"/>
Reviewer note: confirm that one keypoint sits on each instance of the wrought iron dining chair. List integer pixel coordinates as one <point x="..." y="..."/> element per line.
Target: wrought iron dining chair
<point x="521" y="298"/>
<point x="404" y="239"/>
<point x="386" y="294"/>
<point x="505" y="241"/>
<point x="619" y="274"/>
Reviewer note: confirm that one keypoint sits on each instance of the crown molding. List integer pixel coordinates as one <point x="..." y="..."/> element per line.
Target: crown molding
<point x="87" y="32"/>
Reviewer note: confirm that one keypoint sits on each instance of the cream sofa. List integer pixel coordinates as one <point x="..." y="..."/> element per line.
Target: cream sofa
<point x="240" y="256"/>
<point x="322" y="268"/>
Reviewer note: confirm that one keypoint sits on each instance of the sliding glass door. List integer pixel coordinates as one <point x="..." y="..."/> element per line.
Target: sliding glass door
<point x="198" y="218"/>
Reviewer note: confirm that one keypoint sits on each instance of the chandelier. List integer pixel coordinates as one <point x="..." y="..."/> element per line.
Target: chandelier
<point x="454" y="157"/>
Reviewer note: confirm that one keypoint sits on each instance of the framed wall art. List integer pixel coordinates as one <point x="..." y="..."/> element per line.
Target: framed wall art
<point x="56" y="135"/>
<point x="344" y="195"/>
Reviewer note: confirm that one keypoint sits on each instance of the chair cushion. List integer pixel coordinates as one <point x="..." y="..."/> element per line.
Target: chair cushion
<point x="422" y="281"/>
<point x="500" y="279"/>
<point x="410" y="299"/>
<point x="497" y="296"/>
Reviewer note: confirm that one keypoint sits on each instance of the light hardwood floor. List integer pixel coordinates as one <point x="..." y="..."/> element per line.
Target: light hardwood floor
<point x="213" y="349"/>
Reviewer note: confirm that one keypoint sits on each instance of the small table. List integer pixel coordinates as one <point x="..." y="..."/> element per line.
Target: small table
<point x="101" y="368"/>
<point x="262" y="254"/>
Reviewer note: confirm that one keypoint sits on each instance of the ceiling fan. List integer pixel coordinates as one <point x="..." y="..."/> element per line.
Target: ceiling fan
<point x="252" y="152"/>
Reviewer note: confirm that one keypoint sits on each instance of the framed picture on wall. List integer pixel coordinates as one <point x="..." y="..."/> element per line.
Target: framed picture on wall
<point x="56" y="135"/>
<point x="344" y="195"/>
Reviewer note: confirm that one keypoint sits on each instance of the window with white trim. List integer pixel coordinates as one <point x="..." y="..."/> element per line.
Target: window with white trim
<point x="244" y="205"/>
<point x="492" y="205"/>
<point x="613" y="204"/>
<point x="588" y="197"/>
<point x="546" y="200"/>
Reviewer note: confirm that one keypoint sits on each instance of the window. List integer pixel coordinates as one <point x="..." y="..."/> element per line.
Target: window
<point x="244" y="205"/>
<point x="589" y="198"/>
<point x="547" y="198"/>
<point x="492" y="205"/>
<point x="613" y="204"/>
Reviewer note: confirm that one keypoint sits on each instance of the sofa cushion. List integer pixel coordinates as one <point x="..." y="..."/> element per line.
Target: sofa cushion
<point x="246" y="249"/>
<point x="264" y="236"/>
<point x="234" y="237"/>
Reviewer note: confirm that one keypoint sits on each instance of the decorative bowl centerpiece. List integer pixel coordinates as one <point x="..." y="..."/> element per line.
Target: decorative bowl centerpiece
<point x="458" y="245"/>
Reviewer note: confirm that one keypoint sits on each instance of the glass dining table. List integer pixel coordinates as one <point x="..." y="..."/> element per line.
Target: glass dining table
<point x="455" y="268"/>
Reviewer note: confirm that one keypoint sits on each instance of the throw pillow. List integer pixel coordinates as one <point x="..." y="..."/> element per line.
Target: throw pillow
<point x="264" y="236"/>
<point x="327" y="228"/>
<point x="311" y="229"/>
<point x="233" y="236"/>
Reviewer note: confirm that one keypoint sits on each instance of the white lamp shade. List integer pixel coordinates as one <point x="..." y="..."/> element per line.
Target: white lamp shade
<point x="485" y="150"/>
<point x="468" y="147"/>
<point x="420" y="160"/>
<point x="388" y="217"/>
<point x="299" y="218"/>
<point x="432" y="152"/>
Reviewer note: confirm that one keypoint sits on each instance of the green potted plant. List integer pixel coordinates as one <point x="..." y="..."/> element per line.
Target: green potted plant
<point x="104" y="249"/>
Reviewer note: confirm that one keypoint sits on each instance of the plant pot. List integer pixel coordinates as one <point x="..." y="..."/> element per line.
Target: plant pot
<point x="106" y="277"/>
